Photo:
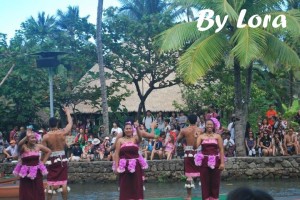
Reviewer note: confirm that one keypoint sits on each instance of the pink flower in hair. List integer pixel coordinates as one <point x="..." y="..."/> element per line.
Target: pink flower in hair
<point x="37" y="136"/>
<point x="216" y="122"/>
<point x="17" y="169"/>
<point x="198" y="159"/>
<point x="131" y="165"/>
<point x="23" y="171"/>
<point x="211" y="161"/>
<point x="32" y="172"/>
<point x="122" y="165"/>
<point x="143" y="162"/>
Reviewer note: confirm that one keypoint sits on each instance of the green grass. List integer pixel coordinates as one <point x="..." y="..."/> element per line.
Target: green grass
<point x="222" y="197"/>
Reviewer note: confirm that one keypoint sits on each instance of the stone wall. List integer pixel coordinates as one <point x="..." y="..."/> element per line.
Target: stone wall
<point x="164" y="171"/>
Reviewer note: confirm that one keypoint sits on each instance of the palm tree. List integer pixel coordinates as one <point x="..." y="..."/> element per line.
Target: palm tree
<point x="101" y="67"/>
<point x="136" y="9"/>
<point x="240" y="47"/>
<point x="41" y="30"/>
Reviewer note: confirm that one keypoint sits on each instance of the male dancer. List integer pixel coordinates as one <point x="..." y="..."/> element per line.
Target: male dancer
<point x="57" y="166"/>
<point x="190" y="169"/>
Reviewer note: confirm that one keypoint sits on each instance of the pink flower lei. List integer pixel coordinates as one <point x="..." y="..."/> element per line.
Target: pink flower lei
<point x="122" y="165"/>
<point x="198" y="159"/>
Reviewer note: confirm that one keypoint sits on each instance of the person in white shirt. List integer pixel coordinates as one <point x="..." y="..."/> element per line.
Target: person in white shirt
<point x="231" y="126"/>
<point x="11" y="151"/>
<point x="148" y="119"/>
<point x="229" y="145"/>
<point x="116" y="129"/>
<point x="201" y="123"/>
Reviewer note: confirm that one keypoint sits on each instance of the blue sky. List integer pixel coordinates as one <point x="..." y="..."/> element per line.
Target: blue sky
<point x="14" y="12"/>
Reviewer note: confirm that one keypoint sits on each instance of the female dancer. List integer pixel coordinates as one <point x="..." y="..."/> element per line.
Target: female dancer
<point x="129" y="164"/>
<point x="210" y="160"/>
<point x="30" y="169"/>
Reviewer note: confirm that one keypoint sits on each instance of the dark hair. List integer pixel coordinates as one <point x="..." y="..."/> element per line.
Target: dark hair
<point x="192" y="119"/>
<point x="167" y="120"/>
<point x="245" y="193"/>
<point x="53" y="122"/>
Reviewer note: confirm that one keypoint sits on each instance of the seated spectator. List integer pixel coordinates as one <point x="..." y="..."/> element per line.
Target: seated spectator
<point x="260" y="134"/>
<point x="101" y="150"/>
<point x="88" y="151"/>
<point x="169" y="149"/>
<point x="143" y="146"/>
<point x="157" y="149"/>
<point x="180" y="148"/>
<point x="11" y="152"/>
<point x="277" y="145"/>
<point x="81" y="138"/>
<point x="229" y="145"/>
<point x="2" y="155"/>
<point x="290" y="142"/>
<point x="107" y="147"/>
<point x="250" y="144"/>
<point x="149" y="149"/>
<point x="76" y="153"/>
<point x="96" y="143"/>
<point x="264" y="125"/>
<point x="266" y="144"/>
<point x="70" y="140"/>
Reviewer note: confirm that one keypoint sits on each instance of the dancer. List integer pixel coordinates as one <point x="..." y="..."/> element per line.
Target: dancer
<point x="129" y="164"/>
<point x="210" y="160"/>
<point x="57" y="166"/>
<point x="190" y="169"/>
<point x="30" y="169"/>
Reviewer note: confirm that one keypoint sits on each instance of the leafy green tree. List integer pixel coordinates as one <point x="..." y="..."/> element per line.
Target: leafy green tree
<point x="130" y="52"/>
<point x="239" y="47"/>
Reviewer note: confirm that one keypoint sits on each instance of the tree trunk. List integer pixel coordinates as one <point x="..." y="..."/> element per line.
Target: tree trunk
<point x="141" y="108"/>
<point x="239" y="111"/>
<point x="101" y="67"/>
<point x="291" y="87"/>
<point x="248" y="90"/>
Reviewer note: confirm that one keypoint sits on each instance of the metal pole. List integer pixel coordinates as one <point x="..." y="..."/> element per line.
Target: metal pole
<point x="51" y="91"/>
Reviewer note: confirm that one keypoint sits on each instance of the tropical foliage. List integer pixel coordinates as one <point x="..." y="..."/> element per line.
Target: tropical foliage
<point x="238" y="47"/>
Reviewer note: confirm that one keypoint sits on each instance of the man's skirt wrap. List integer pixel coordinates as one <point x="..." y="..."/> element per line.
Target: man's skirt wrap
<point x="57" y="166"/>
<point x="190" y="169"/>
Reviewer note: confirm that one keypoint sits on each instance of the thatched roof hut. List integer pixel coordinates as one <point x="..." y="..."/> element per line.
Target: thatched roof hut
<point x="158" y="100"/>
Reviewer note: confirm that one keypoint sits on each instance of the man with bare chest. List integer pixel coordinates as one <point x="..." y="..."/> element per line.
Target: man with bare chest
<point x="190" y="169"/>
<point x="290" y="142"/>
<point x="57" y="164"/>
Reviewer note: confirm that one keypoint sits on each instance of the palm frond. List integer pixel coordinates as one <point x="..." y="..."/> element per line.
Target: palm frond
<point x="249" y="44"/>
<point x="279" y="52"/>
<point x="292" y="23"/>
<point x="202" y="56"/>
<point x="238" y="4"/>
<point x="177" y="36"/>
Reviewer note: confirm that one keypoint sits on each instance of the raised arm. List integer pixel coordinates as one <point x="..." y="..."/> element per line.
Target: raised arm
<point x="68" y="128"/>
<point x="149" y="135"/>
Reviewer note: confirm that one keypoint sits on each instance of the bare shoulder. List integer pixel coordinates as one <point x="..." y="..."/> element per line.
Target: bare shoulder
<point x="45" y="137"/>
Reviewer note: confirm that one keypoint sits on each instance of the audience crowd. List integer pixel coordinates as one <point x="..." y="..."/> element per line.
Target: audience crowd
<point x="275" y="137"/>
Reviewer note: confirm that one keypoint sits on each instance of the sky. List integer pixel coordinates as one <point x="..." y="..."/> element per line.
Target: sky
<point x="14" y="12"/>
